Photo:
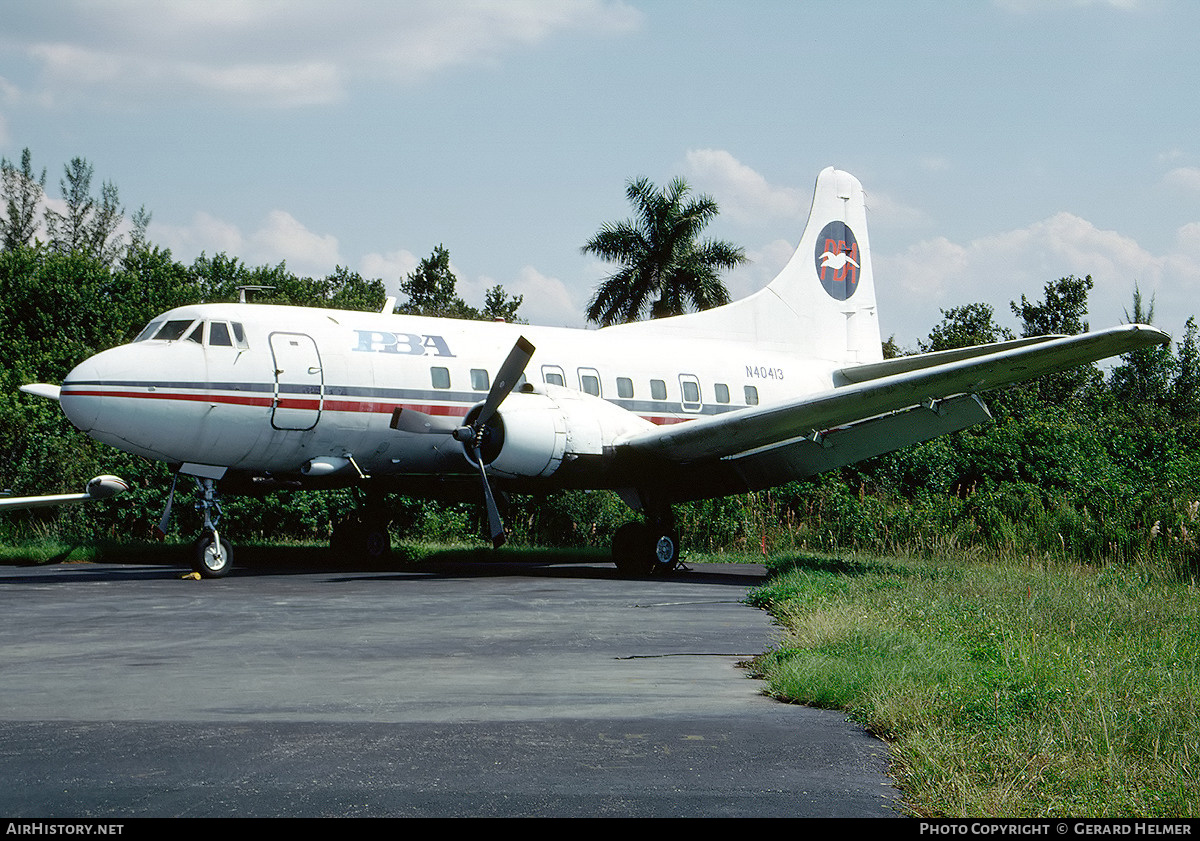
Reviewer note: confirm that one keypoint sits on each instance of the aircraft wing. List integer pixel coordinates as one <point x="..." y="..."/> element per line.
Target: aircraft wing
<point x="872" y="393"/>
<point x="101" y="487"/>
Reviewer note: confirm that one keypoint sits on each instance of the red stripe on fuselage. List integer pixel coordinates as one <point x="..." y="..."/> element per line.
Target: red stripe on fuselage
<point x="329" y="405"/>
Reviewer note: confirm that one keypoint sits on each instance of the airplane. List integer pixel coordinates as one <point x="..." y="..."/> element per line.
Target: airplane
<point x="98" y="487"/>
<point x="781" y="385"/>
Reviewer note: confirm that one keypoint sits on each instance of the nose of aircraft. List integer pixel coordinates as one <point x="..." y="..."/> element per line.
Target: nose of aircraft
<point x="80" y="397"/>
<point x="94" y="396"/>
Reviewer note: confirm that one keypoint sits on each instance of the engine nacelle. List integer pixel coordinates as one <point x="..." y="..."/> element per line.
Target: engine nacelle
<point x="534" y="432"/>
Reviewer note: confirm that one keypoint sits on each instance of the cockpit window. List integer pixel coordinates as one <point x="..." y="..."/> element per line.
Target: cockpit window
<point x="211" y="333"/>
<point x="218" y="334"/>
<point x="173" y="330"/>
<point x="149" y="330"/>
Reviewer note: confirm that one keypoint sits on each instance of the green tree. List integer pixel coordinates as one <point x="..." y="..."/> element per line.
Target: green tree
<point x="1185" y="388"/>
<point x="1063" y="311"/>
<point x="21" y="192"/>
<point x="965" y="326"/>
<point x="90" y="224"/>
<point x="1143" y="379"/>
<point x="347" y="290"/>
<point x="663" y="270"/>
<point x="498" y="305"/>
<point x="432" y="289"/>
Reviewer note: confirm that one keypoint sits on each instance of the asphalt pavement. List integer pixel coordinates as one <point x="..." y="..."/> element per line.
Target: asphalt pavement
<point x="453" y="689"/>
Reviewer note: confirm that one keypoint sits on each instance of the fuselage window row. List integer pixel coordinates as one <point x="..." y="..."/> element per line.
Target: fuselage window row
<point x="590" y="383"/>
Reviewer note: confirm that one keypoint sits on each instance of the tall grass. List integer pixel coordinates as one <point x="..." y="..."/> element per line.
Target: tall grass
<point x="1005" y="688"/>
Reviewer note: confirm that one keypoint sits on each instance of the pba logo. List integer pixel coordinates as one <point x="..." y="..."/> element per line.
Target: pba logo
<point x="837" y="260"/>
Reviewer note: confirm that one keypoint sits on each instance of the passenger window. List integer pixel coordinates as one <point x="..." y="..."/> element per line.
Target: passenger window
<point x="589" y="382"/>
<point x="173" y="330"/>
<point x="721" y="391"/>
<point x="658" y="389"/>
<point x="691" y="392"/>
<point x="751" y="395"/>
<point x="440" y="377"/>
<point x="218" y="334"/>
<point x="479" y="379"/>
<point x="624" y="387"/>
<point x="553" y="378"/>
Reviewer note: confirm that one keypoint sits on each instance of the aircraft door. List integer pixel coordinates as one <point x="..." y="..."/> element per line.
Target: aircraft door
<point x="299" y="381"/>
<point x="689" y="387"/>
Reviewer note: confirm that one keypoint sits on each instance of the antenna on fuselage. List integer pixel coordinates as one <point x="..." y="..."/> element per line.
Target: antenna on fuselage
<point x="242" y="290"/>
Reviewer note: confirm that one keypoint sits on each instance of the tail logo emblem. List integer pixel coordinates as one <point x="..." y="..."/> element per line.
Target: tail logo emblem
<point x="837" y="260"/>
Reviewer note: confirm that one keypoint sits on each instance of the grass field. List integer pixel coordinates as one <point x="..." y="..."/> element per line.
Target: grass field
<point x="1004" y="688"/>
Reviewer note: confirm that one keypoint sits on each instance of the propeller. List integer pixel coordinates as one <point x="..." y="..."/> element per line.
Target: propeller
<point x="476" y="432"/>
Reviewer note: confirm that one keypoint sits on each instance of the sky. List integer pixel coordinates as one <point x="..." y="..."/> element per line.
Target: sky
<point x="1002" y="144"/>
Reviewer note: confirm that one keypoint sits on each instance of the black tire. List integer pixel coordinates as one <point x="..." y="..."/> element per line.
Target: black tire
<point x="630" y="549"/>
<point x="640" y="549"/>
<point x="361" y="540"/>
<point x="205" y="560"/>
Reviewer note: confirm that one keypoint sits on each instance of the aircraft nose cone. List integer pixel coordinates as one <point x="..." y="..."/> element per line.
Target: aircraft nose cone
<point x="82" y="397"/>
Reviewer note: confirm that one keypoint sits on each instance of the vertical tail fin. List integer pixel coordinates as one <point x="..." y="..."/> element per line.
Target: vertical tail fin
<point x="821" y="305"/>
<point x="825" y="296"/>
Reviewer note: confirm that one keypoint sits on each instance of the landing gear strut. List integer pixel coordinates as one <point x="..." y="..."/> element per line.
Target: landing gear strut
<point x="212" y="555"/>
<point x="363" y="533"/>
<point x="647" y="548"/>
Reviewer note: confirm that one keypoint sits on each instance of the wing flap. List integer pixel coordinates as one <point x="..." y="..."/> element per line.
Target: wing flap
<point x="749" y="429"/>
<point x="813" y="454"/>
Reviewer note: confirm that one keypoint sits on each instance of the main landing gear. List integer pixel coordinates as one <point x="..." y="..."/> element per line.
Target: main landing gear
<point x="363" y="533"/>
<point x="647" y="548"/>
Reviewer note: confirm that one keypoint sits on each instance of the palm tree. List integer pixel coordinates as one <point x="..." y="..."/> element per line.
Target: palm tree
<point x="663" y="269"/>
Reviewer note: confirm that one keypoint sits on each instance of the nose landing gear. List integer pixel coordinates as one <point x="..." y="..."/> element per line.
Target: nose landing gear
<point x="212" y="555"/>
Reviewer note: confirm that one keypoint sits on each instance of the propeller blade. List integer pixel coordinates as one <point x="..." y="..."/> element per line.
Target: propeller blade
<point x="165" y="522"/>
<point x="506" y="379"/>
<point x="495" y="523"/>
<point x="410" y="420"/>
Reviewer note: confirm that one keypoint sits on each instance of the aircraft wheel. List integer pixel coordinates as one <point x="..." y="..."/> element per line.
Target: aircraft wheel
<point x="374" y="543"/>
<point x="207" y="561"/>
<point x="361" y="539"/>
<point x="639" y="549"/>
<point x="629" y="549"/>
<point x="665" y="550"/>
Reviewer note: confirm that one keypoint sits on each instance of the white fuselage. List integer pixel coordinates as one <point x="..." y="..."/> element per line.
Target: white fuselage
<point x="266" y="390"/>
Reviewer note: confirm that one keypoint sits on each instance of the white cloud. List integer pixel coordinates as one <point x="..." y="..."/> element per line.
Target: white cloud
<point x="279" y="54"/>
<point x="283" y="238"/>
<point x="741" y="192"/>
<point x="391" y="268"/>
<point x="280" y="237"/>
<point x="1185" y="178"/>
<point x="937" y="274"/>
<point x="205" y="233"/>
<point x="546" y="300"/>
